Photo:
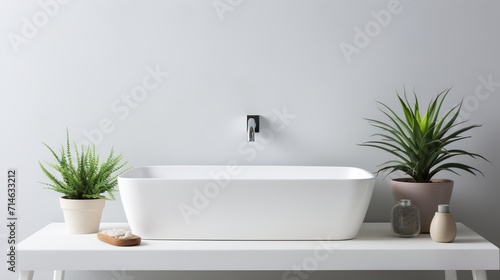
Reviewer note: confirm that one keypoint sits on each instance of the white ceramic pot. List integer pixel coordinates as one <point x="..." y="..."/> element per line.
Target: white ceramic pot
<point x="82" y="215"/>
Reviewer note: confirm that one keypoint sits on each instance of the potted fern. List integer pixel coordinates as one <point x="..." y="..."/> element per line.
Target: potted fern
<point x="83" y="179"/>
<point x="421" y="147"/>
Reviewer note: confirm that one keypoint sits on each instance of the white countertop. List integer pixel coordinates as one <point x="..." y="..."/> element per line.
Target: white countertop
<point x="375" y="248"/>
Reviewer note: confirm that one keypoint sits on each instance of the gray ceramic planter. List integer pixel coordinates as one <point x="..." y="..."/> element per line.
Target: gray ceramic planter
<point x="426" y="196"/>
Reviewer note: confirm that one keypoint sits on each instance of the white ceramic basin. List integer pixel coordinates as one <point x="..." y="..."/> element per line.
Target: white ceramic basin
<point x="246" y="202"/>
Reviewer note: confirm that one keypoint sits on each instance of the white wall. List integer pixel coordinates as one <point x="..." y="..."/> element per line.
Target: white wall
<point x="78" y="68"/>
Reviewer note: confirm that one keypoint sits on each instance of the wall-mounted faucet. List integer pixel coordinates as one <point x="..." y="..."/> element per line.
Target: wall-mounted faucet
<point x="253" y="124"/>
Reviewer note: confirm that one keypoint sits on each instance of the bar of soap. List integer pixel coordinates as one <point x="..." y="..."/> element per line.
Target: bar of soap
<point x="119" y="237"/>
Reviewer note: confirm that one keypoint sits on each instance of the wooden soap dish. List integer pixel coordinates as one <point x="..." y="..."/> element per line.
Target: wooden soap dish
<point x="128" y="241"/>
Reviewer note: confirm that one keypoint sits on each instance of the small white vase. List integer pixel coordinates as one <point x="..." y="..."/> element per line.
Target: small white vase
<point x="443" y="226"/>
<point x="82" y="215"/>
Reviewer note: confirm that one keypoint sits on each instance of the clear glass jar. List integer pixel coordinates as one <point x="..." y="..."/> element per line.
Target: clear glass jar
<point x="405" y="219"/>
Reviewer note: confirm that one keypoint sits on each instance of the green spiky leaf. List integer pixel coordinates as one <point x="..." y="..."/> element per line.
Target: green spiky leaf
<point x="419" y="140"/>
<point x="81" y="175"/>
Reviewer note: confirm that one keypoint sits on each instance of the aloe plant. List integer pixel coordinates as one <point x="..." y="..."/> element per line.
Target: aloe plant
<point x="83" y="176"/>
<point x="420" y="142"/>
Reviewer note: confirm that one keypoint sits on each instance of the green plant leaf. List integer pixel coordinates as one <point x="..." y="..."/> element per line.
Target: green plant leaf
<point x="419" y="141"/>
<point x="83" y="176"/>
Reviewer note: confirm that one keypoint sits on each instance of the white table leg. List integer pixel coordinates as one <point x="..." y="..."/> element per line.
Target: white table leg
<point x="26" y="275"/>
<point x="479" y="275"/>
<point x="58" y="274"/>
<point x="450" y="275"/>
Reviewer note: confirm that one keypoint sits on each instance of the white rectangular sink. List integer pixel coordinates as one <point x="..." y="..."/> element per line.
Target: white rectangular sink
<point x="246" y="202"/>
